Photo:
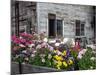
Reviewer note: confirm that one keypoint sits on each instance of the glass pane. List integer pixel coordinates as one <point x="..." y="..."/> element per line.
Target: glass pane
<point x="59" y="27"/>
<point x="77" y="23"/>
<point x="77" y="27"/>
<point x="77" y="32"/>
<point x="82" y="29"/>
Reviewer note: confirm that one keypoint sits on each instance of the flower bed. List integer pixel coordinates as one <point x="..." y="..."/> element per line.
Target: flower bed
<point x="37" y="50"/>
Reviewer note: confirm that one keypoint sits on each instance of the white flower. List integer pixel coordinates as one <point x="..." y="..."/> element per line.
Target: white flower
<point x="92" y="58"/>
<point x="32" y="55"/>
<point x="24" y="51"/>
<point x="44" y="44"/>
<point x="62" y="42"/>
<point x="38" y="46"/>
<point x="52" y="41"/>
<point x="26" y="59"/>
<point x="73" y="42"/>
<point x="59" y="53"/>
<point x="91" y="67"/>
<point x="21" y="45"/>
<point x="34" y="51"/>
<point x="57" y="44"/>
<point x="92" y="46"/>
<point x="82" y="52"/>
<point x="45" y="40"/>
<point x="31" y="45"/>
<point x="23" y="63"/>
<point x="49" y="56"/>
<point x="65" y="40"/>
<point x="79" y="56"/>
<point x="43" y="60"/>
<point x="94" y="52"/>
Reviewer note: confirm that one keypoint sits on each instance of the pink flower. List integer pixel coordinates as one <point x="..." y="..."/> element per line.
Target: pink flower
<point x="16" y="41"/>
<point x="23" y="34"/>
<point x="26" y="35"/>
<point x="22" y="40"/>
<point x="28" y="43"/>
<point x="14" y="37"/>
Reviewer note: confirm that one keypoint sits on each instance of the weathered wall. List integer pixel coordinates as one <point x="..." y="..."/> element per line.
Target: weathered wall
<point x="27" y="14"/>
<point x="69" y="13"/>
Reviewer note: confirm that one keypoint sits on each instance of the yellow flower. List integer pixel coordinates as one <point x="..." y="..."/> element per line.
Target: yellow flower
<point x="65" y="64"/>
<point x="55" y="51"/>
<point x="64" y="53"/>
<point x="58" y="67"/>
<point x="70" y="62"/>
<point x="58" y="57"/>
<point x="59" y="63"/>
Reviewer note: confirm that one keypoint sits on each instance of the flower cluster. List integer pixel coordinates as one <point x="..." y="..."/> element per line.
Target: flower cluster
<point x="36" y="49"/>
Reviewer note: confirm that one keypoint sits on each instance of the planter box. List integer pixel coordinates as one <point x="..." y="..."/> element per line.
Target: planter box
<point x="27" y="68"/>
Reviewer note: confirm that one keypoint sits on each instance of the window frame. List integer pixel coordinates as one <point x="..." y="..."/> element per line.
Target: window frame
<point x="80" y="28"/>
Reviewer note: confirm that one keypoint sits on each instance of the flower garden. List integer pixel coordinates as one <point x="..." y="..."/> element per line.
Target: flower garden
<point x="61" y="54"/>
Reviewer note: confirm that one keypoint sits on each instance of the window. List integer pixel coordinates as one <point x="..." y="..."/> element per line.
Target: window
<point x="51" y="26"/>
<point x="59" y="28"/>
<point x="79" y="28"/>
<point x="55" y="26"/>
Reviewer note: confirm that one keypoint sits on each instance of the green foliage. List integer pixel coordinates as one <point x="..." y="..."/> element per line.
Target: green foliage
<point x="86" y="63"/>
<point x="74" y="53"/>
<point x="37" y="60"/>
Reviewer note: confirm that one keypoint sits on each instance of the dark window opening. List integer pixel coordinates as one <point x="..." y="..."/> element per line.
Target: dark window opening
<point x="51" y="27"/>
<point x="52" y="20"/>
<point x="59" y="28"/>
<point x="79" y="28"/>
<point x="55" y="26"/>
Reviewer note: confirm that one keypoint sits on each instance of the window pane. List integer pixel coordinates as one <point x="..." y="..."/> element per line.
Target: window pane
<point x="77" y="27"/>
<point x="82" y="29"/>
<point x="77" y="32"/>
<point x="59" y="27"/>
<point x="77" y="23"/>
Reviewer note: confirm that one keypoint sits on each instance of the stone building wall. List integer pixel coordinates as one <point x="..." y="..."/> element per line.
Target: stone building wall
<point x="68" y="13"/>
<point x="36" y="13"/>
